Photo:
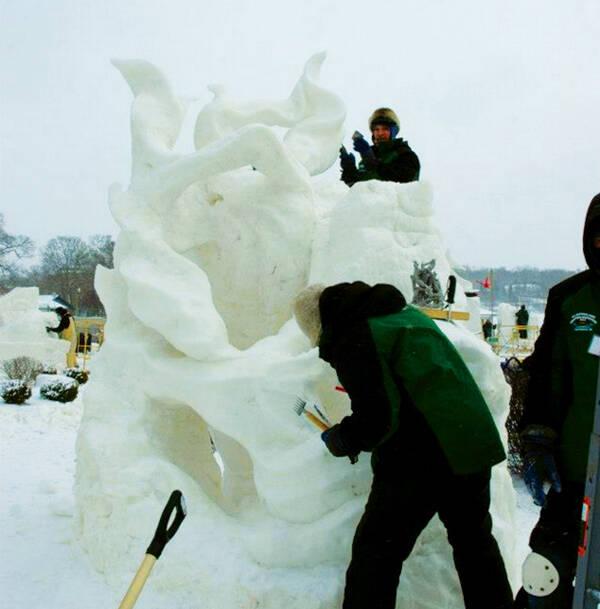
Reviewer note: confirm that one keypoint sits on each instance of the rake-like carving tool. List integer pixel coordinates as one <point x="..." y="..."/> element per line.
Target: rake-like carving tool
<point x="300" y="408"/>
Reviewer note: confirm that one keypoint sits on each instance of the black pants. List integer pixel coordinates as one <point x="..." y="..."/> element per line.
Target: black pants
<point x="398" y="509"/>
<point x="556" y="536"/>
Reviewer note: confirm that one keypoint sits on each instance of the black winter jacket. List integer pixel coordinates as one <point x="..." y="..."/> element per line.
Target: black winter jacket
<point x="563" y="374"/>
<point x="392" y="161"/>
<point x="65" y="320"/>
<point x="412" y="396"/>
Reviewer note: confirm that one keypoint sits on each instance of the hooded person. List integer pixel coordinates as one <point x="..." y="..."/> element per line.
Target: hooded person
<point x="389" y="158"/>
<point x="66" y="331"/>
<point x="557" y="423"/>
<point x="416" y="408"/>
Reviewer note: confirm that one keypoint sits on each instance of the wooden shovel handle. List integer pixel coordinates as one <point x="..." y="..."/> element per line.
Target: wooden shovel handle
<point x="138" y="582"/>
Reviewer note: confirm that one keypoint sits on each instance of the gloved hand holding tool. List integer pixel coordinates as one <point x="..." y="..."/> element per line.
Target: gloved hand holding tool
<point x="335" y="444"/>
<point x="330" y="434"/>
<point x="538" y="458"/>
<point x="163" y="534"/>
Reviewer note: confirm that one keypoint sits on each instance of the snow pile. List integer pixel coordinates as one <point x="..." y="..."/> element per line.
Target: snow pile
<point x="23" y="329"/>
<point x="200" y="344"/>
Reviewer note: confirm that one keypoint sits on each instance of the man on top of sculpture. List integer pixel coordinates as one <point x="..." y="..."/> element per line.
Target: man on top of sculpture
<point x="389" y="158"/>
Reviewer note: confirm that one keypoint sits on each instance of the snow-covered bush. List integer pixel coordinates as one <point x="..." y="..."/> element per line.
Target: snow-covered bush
<point x="49" y="369"/>
<point x="22" y="368"/>
<point x="60" y="390"/>
<point x="15" y="391"/>
<point x="81" y="376"/>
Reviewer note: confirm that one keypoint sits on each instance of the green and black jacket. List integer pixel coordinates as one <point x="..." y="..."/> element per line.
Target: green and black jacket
<point x="392" y="161"/>
<point x="411" y="394"/>
<point x="563" y="374"/>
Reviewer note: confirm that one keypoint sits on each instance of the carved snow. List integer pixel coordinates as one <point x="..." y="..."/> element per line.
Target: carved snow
<point x="22" y="329"/>
<point x="200" y="343"/>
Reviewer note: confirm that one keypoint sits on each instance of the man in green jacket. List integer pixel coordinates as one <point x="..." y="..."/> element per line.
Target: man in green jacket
<point x="417" y="409"/>
<point x="389" y="159"/>
<point x="557" y="423"/>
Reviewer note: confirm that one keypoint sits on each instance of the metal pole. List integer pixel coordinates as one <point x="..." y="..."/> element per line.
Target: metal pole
<point x="85" y="342"/>
<point x="492" y="299"/>
<point x="587" y="581"/>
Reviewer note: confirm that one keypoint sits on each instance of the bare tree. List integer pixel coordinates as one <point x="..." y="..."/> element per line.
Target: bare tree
<point x="67" y="268"/>
<point x="12" y="247"/>
<point x="66" y="262"/>
<point x="102" y="250"/>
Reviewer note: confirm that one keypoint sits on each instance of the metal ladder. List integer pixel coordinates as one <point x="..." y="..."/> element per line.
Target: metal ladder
<point x="587" y="582"/>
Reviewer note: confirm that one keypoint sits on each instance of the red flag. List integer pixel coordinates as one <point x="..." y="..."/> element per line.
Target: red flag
<point x="486" y="283"/>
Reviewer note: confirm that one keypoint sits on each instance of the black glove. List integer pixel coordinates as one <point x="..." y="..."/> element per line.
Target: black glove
<point x="48" y="329"/>
<point x="367" y="155"/>
<point x="335" y="444"/>
<point x="538" y="460"/>
<point x="360" y="144"/>
<point x="347" y="160"/>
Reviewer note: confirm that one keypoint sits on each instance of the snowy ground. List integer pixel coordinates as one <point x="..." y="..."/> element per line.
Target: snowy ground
<point x="41" y="563"/>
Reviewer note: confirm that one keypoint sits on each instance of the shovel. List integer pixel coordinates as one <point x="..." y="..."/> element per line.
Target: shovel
<point x="175" y="505"/>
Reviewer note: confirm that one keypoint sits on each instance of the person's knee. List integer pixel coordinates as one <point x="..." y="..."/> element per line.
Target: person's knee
<point x="547" y="580"/>
<point x="540" y="575"/>
<point x="465" y="536"/>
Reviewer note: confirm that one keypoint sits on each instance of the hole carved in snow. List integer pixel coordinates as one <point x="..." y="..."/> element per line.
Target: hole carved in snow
<point x="202" y="353"/>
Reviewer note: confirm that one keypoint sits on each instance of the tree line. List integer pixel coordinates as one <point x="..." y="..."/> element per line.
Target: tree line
<point x="67" y="266"/>
<point x="523" y="285"/>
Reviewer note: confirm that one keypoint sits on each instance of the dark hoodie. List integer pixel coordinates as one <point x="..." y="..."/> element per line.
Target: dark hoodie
<point x="562" y="389"/>
<point x="411" y="394"/>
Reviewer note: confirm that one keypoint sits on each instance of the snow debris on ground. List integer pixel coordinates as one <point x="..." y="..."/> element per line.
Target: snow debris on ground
<point x="42" y="564"/>
<point x="41" y="561"/>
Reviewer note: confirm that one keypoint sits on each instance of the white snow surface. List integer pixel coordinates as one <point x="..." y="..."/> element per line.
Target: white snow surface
<point x="42" y="563"/>
<point x="23" y="329"/>
<point x="200" y="343"/>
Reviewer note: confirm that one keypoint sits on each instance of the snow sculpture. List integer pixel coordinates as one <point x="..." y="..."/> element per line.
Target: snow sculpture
<point x="200" y="344"/>
<point x="23" y="329"/>
<point x="506" y="316"/>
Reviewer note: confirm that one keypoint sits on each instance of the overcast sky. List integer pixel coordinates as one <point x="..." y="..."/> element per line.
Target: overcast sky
<point x="500" y="99"/>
